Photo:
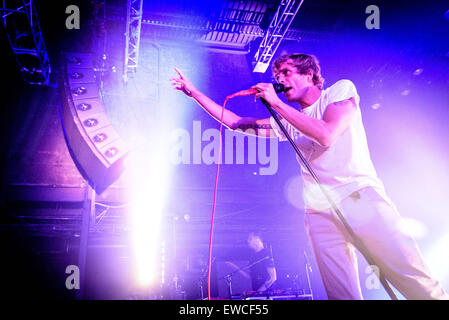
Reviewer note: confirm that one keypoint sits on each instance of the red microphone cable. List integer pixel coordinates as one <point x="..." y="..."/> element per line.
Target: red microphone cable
<point x="213" y="208"/>
<point x="240" y="93"/>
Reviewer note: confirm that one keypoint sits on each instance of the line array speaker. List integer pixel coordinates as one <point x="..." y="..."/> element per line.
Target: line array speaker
<point x="94" y="143"/>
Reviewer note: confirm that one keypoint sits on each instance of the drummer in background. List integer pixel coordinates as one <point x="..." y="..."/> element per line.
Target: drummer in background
<point x="263" y="271"/>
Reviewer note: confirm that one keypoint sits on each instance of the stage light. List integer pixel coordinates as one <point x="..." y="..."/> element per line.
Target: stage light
<point x="148" y="188"/>
<point x="375" y="106"/>
<point x="418" y="71"/>
<point x="163" y="262"/>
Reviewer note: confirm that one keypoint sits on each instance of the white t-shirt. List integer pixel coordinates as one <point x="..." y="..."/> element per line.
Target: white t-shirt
<point x="342" y="168"/>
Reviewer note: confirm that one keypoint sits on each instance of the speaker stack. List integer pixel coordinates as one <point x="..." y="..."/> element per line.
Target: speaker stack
<point x="95" y="145"/>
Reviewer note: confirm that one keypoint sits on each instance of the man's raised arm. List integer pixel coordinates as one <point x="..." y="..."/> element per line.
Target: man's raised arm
<point x="250" y="126"/>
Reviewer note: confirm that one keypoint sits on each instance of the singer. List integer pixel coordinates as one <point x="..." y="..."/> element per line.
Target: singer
<point x="327" y="127"/>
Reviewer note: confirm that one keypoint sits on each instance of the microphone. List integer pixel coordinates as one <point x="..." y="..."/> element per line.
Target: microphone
<point x="278" y="88"/>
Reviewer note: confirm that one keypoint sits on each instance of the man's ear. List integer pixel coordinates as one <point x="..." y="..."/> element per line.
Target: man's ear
<point x="310" y="75"/>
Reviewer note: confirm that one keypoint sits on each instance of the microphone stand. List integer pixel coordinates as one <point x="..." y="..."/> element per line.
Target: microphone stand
<point x="357" y="242"/>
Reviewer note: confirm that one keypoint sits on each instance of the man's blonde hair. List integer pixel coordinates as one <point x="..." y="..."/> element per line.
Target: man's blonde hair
<point x="303" y="63"/>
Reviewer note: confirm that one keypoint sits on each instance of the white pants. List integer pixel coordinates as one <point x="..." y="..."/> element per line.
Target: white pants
<point x="378" y="225"/>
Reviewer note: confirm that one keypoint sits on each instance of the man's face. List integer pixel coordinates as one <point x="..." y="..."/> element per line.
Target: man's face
<point x="296" y="84"/>
<point x="253" y="242"/>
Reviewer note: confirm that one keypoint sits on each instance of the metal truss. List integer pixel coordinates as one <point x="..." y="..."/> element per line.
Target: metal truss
<point x="236" y="25"/>
<point x="134" y="12"/>
<point x="275" y="33"/>
<point x="98" y="21"/>
<point x="231" y="26"/>
<point x="99" y="41"/>
<point x="25" y="37"/>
